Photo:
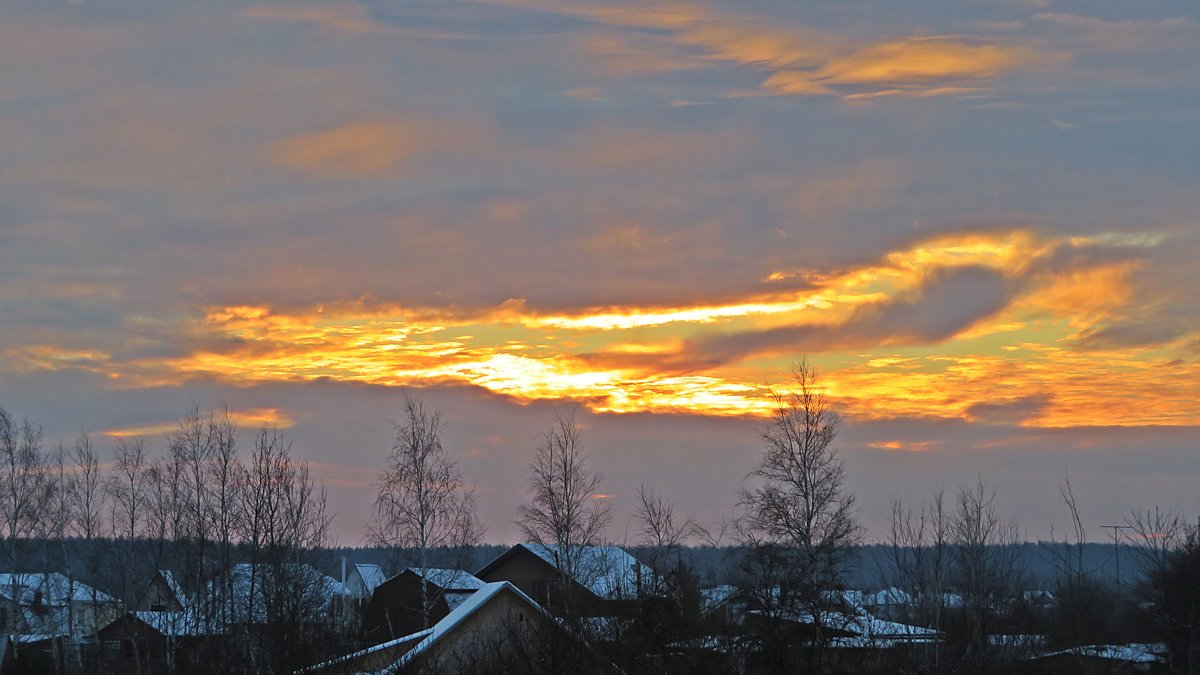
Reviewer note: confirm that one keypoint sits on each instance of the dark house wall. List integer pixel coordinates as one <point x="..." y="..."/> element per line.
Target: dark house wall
<point x="129" y="646"/>
<point x="395" y="609"/>
<point x="543" y="583"/>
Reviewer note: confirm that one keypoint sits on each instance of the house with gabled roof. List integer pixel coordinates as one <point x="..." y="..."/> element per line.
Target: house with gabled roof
<point x="604" y="581"/>
<point x="163" y="594"/>
<point x="362" y="579"/>
<point x="151" y="642"/>
<point x="46" y="605"/>
<point x="414" y="599"/>
<point x="497" y="629"/>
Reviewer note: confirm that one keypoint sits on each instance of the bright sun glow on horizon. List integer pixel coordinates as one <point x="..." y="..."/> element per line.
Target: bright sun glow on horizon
<point x="1018" y="362"/>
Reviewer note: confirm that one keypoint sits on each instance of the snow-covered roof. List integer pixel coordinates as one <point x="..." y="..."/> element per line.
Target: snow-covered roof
<point x="870" y="626"/>
<point x="1139" y="652"/>
<point x="448" y="579"/>
<point x="366" y="652"/>
<point x="172" y="584"/>
<point x="46" y="621"/>
<point x="711" y="598"/>
<point x="52" y="589"/>
<point x="888" y="596"/>
<point x="1042" y="598"/>
<point x="176" y="624"/>
<point x="1021" y="640"/>
<point x="609" y="572"/>
<point x="849" y="599"/>
<point x="292" y="578"/>
<point x="868" y="631"/>
<point x="953" y="601"/>
<point x="460" y="614"/>
<point x="29" y="638"/>
<point x="371" y="575"/>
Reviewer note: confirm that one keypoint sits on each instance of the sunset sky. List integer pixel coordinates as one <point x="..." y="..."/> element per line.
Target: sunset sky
<point x="978" y="220"/>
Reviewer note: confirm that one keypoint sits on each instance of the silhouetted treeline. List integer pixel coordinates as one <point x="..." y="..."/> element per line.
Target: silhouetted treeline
<point x="210" y="553"/>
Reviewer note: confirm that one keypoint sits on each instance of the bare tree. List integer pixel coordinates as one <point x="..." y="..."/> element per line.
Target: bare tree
<point x="1177" y="602"/>
<point x="282" y="514"/>
<point x="24" y="486"/>
<point x="129" y="490"/>
<point x="1165" y="544"/>
<point x="90" y="494"/>
<point x="563" y="514"/>
<point x="669" y="601"/>
<point x="1084" y="607"/>
<point x="221" y="516"/>
<point x="128" y="487"/>
<point x="55" y="522"/>
<point x="662" y="532"/>
<point x="986" y="568"/>
<point x="1155" y="534"/>
<point x="920" y="562"/>
<point x="799" y="508"/>
<point x="423" y="502"/>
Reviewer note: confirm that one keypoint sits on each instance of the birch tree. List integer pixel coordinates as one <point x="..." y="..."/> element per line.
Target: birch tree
<point x="423" y="502"/>
<point x="562" y="512"/>
<point x="24" y="486"/>
<point x="798" y="516"/>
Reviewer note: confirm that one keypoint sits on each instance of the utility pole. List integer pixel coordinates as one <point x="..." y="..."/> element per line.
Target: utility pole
<point x="1116" y="533"/>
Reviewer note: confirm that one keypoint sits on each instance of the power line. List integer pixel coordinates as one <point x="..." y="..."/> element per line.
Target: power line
<point x="1116" y="534"/>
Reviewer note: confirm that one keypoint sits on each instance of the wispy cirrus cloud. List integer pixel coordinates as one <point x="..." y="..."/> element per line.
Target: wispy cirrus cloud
<point x="354" y="150"/>
<point x="348" y="17"/>
<point x="798" y="59"/>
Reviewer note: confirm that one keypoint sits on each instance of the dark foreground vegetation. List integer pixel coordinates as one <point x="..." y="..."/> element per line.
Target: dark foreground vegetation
<point x="210" y="554"/>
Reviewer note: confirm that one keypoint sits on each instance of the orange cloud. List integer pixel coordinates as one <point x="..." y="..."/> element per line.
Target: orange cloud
<point x="248" y="417"/>
<point x="904" y="446"/>
<point x="921" y="60"/>
<point x="363" y="149"/>
<point x="800" y="60"/>
<point x="1002" y="308"/>
<point x="340" y="17"/>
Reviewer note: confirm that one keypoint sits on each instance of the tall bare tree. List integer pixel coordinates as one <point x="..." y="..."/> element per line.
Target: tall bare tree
<point x="87" y="516"/>
<point x="663" y="533"/>
<point x="1155" y="534"/>
<point x="920" y="562"/>
<point x="282" y="514"/>
<point x="562" y="513"/>
<point x="799" y="510"/>
<point x="1084" y="606"/>
<point x="90" y="495"/>
<point x="423" y="502"/>
<point x="24" y="486"/>
<point x="985" y="568"/>
<point x="128" y="488"/>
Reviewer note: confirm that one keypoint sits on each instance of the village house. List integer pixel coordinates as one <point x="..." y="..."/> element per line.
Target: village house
<point x="496" y="629"/>
<point x="361" y="580"/>
<point x="605" y="581"/>
<point x="41" y="605"/>
<point x="415" y="599"/>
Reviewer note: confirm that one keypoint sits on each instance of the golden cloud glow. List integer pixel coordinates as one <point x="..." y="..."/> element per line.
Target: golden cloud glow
<point x="801" y="60"/>
<point x="248" y="417"/>
<point x="361" y="149"/>
<point x="1021" y="365"/>
<point x="903" y="446"/>
<point x="347" y="17"/>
